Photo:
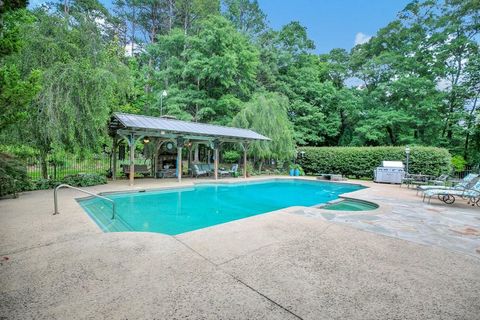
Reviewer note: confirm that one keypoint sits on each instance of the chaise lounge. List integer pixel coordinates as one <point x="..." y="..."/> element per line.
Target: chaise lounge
<point x="231" y="172"/>
<point x="465" y="183"/>
<point x="448" y="195"/>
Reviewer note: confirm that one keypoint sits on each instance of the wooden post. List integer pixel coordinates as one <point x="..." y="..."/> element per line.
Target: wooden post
<point x="158" y="144"/>
<point x="216" y="147"/>
<point x="245" y="163"/>
<point x="114" y="158"/>
<point x="131" y="142"/>
<point x="180" y="143"/>
<point x="195" y="158"/>
<point x="216" y="164"/>
<point x="245" y="150"/>
<point x="179" y="164"/>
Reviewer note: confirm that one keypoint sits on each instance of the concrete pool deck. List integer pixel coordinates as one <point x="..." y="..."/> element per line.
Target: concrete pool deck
<point x="298" y="263"/>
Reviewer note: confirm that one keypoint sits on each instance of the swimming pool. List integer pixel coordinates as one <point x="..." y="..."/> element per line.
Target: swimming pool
<point x="178" y="210"/>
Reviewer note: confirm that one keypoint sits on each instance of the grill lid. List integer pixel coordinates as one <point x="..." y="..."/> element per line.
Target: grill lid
<point x="392" y="164"/>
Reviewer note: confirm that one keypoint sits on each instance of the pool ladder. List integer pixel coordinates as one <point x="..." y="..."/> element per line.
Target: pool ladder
<point x="55" y="197"/>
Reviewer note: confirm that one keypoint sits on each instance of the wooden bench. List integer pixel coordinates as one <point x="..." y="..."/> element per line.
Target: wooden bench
<point x="139" y="168"/>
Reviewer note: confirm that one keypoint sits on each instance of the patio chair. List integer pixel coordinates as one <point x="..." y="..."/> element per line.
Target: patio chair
<point x="197" y="171"/>
<point x="448" y="195"/>
<point x="465" y="183"/>
<point x="231" y="172"/>
<point x="440" y="181"/>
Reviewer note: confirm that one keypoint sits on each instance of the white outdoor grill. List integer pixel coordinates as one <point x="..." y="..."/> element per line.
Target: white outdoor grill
<point x="390" y="172"/>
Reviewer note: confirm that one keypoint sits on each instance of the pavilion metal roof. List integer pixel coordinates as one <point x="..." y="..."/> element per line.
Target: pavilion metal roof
<point x="179" y="127"/>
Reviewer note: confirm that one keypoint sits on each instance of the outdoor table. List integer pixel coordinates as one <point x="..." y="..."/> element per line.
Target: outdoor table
<point x="416" y="179"/>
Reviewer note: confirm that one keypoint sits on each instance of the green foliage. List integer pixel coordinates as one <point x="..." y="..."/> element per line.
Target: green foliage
<point x="208" y="73"/>
<point x="458" y="163"/>
<point x="75" y="180"/>
<point x="13" y="176"/>
<point x="19" y="151"/>
<point x="16" y="90"/>
<point x="11" y="5"/>
<point x="361" y="161"/>
<point x="84" y="180"/>
<point x="266" y="113"/>
<point x="231" y="156"/>
<point x="82" y="80"/>
<point x="246" y="16"/>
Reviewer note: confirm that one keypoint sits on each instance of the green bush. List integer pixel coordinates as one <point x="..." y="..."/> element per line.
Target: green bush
<point x="231" y="156"/>
<point x="84" y="180"/>
<point x="361" y="161"/>
<point x="13" y="175"/>
<point x="458" y="163"/>
<point x="75" y="180"/>
<point x="43" y="184"/>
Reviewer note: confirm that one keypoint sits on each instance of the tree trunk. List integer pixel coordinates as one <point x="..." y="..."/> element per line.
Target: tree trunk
<point x="170" y="15"/>
<point x="43" y="165"/>
<point x="260" y="165"/>
<point x="393" y="140"/>
<point x="469" y="125"/>
<point x="65" y="6"/>
<point x="133" y="30"/>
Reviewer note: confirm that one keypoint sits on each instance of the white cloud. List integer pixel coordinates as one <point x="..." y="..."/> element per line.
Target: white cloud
<point x="361" y="38"/>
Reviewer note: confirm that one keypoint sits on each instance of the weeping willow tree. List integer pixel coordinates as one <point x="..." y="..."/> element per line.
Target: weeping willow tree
<point x="266" y="113"/>
<point x="82" y="80"/>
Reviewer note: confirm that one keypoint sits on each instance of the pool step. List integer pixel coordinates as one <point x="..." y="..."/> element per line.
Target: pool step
<point x="101" y="213"/>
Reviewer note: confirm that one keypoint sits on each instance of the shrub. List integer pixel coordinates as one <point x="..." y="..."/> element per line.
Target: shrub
<point x="84" y="180"/>
<point x="75" y="180"/>
<point x="458" y="163"/>
<point x="43" y="184"/>
<point x="13" y="175"/>
<point x="361" y="161"/>
<point x="231" y="156"/>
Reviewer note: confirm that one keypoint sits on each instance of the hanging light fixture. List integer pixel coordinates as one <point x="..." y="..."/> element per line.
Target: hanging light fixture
<point x="146" y="140"/>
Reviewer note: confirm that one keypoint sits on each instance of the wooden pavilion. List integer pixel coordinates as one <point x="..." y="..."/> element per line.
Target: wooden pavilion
<point x="162" y="130"/>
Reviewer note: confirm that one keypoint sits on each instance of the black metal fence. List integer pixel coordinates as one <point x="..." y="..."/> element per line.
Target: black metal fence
<point x="465" y="172"/>
<point x="59" y="167"/>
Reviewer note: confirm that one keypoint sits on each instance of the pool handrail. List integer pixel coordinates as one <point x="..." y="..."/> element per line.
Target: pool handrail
<point x="64" y="185"/>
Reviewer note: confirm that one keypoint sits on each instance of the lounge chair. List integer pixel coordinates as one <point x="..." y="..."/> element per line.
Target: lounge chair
<point x="197" y="171"/>
<point x="448" y="195"/>
<point x="208" y="168"/>
<point x="231" y="172"/>
<point x="440" y="181"/>
<point x="465" y="183"/>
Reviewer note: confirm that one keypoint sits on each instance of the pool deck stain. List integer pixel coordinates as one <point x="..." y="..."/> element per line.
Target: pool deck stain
<point x="404" y="260"/>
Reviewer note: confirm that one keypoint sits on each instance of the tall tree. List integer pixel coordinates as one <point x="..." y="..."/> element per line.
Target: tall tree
<point x="266" y="113"/>
<point x="246" y="16"/>
<point x="206" y="74"/>
<point x="82" y="79"/>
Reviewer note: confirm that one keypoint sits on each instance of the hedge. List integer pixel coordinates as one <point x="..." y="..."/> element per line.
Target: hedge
<point x="75" y="180"/>
<point x="361" y="161"/>
<point x="13" y="175"/>
<point x="13" y="179"/>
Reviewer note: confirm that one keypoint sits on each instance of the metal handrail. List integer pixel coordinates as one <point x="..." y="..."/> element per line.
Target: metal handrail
<point x="55" y="202"/>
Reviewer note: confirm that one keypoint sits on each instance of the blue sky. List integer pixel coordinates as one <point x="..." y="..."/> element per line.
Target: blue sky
<point x="330" y="23"/>
<point x="334" y="23"/>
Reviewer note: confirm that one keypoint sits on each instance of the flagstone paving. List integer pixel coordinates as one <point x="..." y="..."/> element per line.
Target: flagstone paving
<point x="405" y="216"/>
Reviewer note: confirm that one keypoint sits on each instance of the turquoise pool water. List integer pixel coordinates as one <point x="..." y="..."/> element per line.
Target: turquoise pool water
<point x="351" y="205"/>
<point x="179" y="210"/>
